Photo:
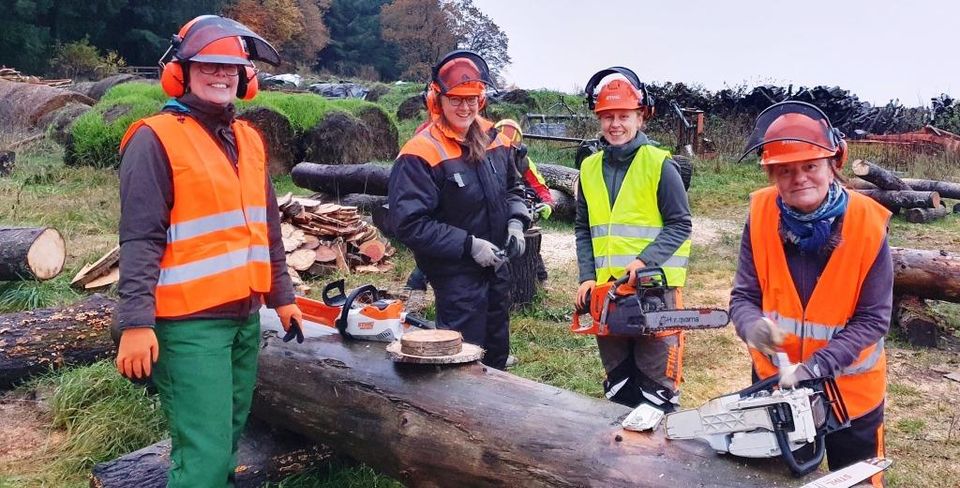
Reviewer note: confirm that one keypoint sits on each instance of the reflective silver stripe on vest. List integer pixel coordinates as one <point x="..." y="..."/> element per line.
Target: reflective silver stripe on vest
<point x="624" y="230"/>
<point x="622" y="260"/>
<point x="806" y="330"/>
<point x="443" y="152"/>
<point x="867" y="364"/>
<point x="213" y="223"/>
<point x="211" y="266"/>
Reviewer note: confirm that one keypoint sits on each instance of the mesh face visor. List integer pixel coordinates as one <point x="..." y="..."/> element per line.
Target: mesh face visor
<point x="792" y="122"/>
<point x="461" y="67"/>
<point x="209" y="29"/>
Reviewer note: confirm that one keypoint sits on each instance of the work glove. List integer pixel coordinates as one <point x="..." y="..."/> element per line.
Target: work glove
<point x="544" y="210"/>
<point x="137" y="353"/>
<point x="485" y="253"/>
<point x="765" y="335"/>
<point x="632" y="268"/>
<point x="516" y="243"/>
<point x="583" y="292"/>
<point x="792" y="375"/>
<point x="291" y="319"/>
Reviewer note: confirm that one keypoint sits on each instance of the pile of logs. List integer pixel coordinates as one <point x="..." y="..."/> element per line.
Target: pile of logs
<point x="919" y="199"/>
<point x="10" y="74"/>
<point x="323" y="238"/>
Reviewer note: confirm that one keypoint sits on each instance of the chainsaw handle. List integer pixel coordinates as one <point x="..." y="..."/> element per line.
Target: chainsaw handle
<point x="648" y="272"/>
<point x="348" y="304"/>
<point x="337" y="300"/>
<point x="800" y="468"/>
<point x="763" y="385"/>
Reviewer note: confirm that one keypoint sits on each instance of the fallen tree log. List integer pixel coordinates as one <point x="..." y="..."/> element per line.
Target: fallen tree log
<point x="564" y="206"/>
<point x="894" y="199"/>
<point x="471" y="426"/>
<point x="22" y="105"/>
<point x="337" y="179"/>
<point x="916" y="321"/>
<point x="37" y="340"/>
<point x="933" y="275"/>
<point x="560" y="177"/>
<point x="31" y="253"/>
<point x="264" y="455"/>
<point x="946" y="189"/>
<point x="884" y="179"/>
<point x="925" y="215"/>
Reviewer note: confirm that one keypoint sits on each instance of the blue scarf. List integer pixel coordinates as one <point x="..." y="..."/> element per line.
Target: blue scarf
<point x="810" y="231"/>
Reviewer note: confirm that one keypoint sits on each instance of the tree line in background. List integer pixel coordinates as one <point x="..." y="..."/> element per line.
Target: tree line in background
<point x="371" y="39"/>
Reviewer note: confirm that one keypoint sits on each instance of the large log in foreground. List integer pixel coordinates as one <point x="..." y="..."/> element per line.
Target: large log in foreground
<point x="337" y="179"/>
<point x="35" y="341"/>
<point x="927" y="274"/>
<point x="469" y="426"/>
<point x="30" y="253"/>
<point x="894" y="199"/>
<point x="264" y="455"/>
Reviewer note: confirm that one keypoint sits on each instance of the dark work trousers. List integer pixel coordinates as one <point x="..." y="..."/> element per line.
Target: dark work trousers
<point x="477" y="303"/>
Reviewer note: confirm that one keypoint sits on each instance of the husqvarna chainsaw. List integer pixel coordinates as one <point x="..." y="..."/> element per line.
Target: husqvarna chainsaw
<point x="616" y="308"/>
<point x="360" y="314"/>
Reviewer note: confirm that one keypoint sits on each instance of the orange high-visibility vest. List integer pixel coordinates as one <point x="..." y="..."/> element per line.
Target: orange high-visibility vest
<point x="834" y="299"/>
<point x="217" y="246"/>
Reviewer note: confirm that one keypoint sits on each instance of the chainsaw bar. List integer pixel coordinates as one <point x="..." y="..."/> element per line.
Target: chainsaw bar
<point x="685" y="319"/>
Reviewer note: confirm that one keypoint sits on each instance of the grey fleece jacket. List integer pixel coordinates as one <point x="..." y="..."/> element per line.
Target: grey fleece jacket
<point x="146" y="197"/>
<point x="871" y="318"/>
<point x="671" y="200"/>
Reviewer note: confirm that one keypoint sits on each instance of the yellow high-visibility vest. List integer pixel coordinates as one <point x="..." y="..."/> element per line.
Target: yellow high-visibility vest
<point x="621" y="233"/>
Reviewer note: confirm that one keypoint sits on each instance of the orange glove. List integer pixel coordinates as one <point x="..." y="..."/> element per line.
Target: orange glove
<point x="583" y="291"/>
<point x="632" y="269"/>
<point x="138" y="351"/>
<point x="287" y="312"/>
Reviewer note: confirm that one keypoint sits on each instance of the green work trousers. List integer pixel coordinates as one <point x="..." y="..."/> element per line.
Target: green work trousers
<point x="205" y="376"/>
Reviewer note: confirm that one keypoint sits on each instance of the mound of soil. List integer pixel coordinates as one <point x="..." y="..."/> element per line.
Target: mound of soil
<point x="283" y="148"/>
<point x="22" y="105"/>
<point x="411" y="107"/>
<point x="339" y="139"/>
<point x="385" y="137"/>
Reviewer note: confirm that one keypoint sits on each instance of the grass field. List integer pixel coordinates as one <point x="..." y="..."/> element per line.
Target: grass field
<point x="54" y="429"/>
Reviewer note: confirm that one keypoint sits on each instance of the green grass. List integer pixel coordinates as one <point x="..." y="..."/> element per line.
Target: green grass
<point x="29" y="295"/>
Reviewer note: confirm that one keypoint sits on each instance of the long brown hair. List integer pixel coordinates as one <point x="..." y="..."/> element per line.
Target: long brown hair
<point x="476" y="140"/>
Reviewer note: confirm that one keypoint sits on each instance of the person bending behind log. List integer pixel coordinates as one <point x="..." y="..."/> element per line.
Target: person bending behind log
<point x="455" y="197"/>
<point x="815" y="276"/>
<point x="632" y="213"/>
<point x="200" y="248"/>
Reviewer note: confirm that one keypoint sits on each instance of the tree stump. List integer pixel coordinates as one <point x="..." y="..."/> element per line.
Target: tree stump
<point x="30" y="253"/>
<point x="7" y="161"/>
<point x="916" y="321"/>
<point x="523" y="271"/>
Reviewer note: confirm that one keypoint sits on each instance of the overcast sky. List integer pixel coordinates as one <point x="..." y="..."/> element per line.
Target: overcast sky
<point x="879" y="49"/>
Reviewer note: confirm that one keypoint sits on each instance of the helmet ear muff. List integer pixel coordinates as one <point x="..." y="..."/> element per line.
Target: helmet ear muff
<point x="248" y="85"/>
<point x="173" y="80"/>
<point x="841" y="150"/>
<point x="432" y="98"/>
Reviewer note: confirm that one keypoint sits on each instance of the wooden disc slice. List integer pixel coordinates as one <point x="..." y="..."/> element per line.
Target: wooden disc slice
<point x="431" y="343"/>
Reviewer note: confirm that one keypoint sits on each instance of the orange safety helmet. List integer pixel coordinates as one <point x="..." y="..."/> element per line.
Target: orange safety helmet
<point x="793" y="131"/>
<point x="625" y="92"/>
<point x="459" y="73"/>
<point x="511" y="129"/>
<point x="214" y="39"/>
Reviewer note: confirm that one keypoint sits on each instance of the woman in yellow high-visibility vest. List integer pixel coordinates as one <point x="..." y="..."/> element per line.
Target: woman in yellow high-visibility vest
<point x="632" y="212"/>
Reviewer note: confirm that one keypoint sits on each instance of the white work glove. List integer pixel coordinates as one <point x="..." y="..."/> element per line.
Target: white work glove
<point x="791" y="375"/>
<point x="765" y="335"/>
<point x="485" y="253"/>
<point x="516" y="243"/>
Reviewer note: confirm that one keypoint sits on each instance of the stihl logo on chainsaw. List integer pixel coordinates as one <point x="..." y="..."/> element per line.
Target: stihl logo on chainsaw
<point x="364" y="325"/>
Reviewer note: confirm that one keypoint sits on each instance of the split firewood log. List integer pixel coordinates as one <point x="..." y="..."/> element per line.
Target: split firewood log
<point x="28" y="253"/>
<point x="99" y="268"/>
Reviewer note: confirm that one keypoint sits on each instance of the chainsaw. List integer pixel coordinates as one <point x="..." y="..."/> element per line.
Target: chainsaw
<point x="361" y="314"/>
<point x="616" y="308"/>
<point x="763" y="422"/>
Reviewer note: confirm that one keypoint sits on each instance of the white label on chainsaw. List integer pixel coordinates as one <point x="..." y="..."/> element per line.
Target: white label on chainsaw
<point x="851" y="475"/>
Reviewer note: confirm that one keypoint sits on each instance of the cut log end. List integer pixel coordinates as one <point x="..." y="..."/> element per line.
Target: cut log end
<point x="47" y="255"/>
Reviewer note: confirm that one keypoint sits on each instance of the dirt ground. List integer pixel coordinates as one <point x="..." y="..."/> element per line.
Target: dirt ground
<point x="25" y="435"/>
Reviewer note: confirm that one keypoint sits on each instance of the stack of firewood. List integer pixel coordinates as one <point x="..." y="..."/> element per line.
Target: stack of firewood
<point x="323" y="238"/>
<point x="10" y="74"/>
<point x="920" y="200"/>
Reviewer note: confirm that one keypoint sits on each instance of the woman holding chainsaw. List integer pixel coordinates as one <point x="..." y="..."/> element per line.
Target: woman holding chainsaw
<point x="815" y="276"/>
<point x="200" y="248"/>
<point x="632" y="213"/>
<point x="455" y="199"/>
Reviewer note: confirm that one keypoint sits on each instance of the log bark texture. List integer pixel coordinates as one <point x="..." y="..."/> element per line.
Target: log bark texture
<point x="560" y="177"/>
<point x="470" y="426"/>
<point x="946" y="189"/>
<point x="925" y="215"/>
<point x="564" y="206"/>
<point x="30" y="253"/>
<point x="933" y="275"/>
<point x="22" y="105"/>
<point x="337" y="180"/>
<point x="523" y="270"/>
<point x="264" y="455"/>
<point x="917" y="323"/>
<point x="34" y="341"/>
<point x="904" y="199"/>
<point x="884" y="179"/>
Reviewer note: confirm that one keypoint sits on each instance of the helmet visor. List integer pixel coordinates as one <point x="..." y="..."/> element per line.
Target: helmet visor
<point x="207" y="30"/>
<point x="792" y="122"/>
<point x="462" y="68"/>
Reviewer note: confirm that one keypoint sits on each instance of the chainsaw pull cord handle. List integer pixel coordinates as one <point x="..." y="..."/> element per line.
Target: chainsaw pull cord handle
<point x="342" y="321"/>
<point x="337" y="300"/>
<point x="797" y="467"/>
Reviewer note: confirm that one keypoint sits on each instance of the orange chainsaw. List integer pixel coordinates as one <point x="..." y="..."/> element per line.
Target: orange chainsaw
<point x="360" y="314"/>
<point x="616" y="308"/>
